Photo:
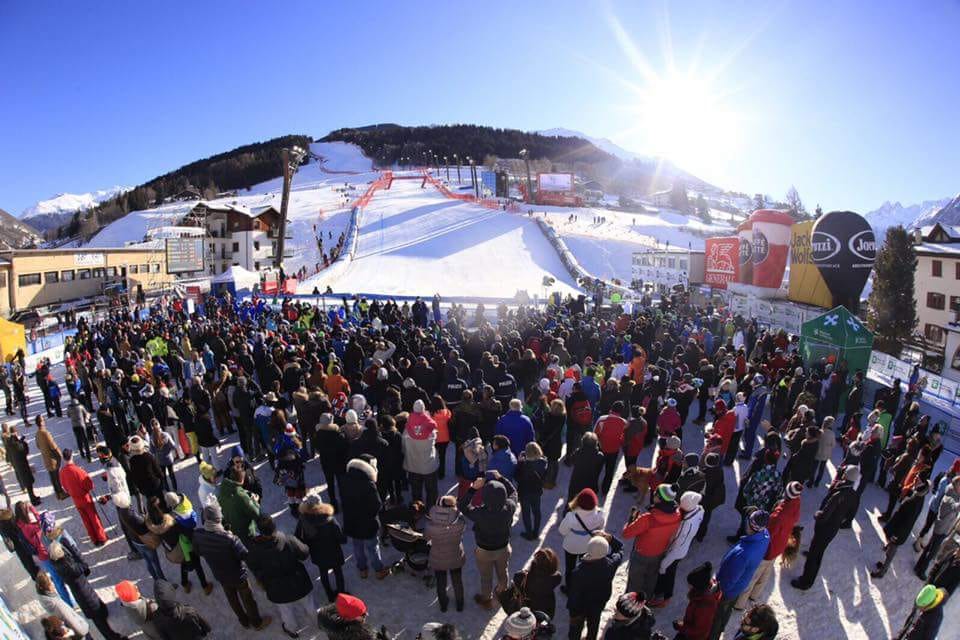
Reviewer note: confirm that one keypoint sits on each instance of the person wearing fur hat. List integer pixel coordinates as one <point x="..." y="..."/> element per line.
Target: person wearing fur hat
<point x="783" y="520"/>
<point x="632" y="619"/>
<point x="322" y="534"/>
<point x="420" y="458"/>
<point x="837" y="508"/>
<point x="346" y="619"/>
<point x="691" y="515"/>
<point x="361" y="514"/>
<point x="738" y="566"/>
<point x="900" y="525"/>
<point x="591" y="584"/>
<point x="444" y="529"/>
<point x="653" y="530"/>
<point x="703" y="597"/>
<point x="584" y="518"/>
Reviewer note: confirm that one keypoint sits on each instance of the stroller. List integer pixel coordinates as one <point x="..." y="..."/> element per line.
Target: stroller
<point x="415" y="549"/>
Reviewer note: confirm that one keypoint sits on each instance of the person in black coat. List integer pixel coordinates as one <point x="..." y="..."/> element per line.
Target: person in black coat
<point x="276" y="560"/>
<point x="714" y="492"/>
<point x="591" y="584"/>
<point x="18" y="451"/>
<point x="13" y="540"/>
<point x="321" y="532"/>
<point x="369" y="443"/>
<point x="173" y="619"/>
<point x="587" y="465"/>
<point x="331" y="445"/>
<point x="74" y="571"/>
<point x="550" y="439"/>
<point x="145" y="472"/>
<point x="390" y="474"/>
<point x="838" y="507"/>
<point x="492" y="521"/>
<point x="361" y="513"/>
<point x="898" y="527"/>
<point x="803" y="461"/>
<point x="632" y="619"/>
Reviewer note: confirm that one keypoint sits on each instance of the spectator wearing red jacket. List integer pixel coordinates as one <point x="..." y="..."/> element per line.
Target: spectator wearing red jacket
<point x="668" y="422"/>
<point x="724" y="424"/>
<point x="611" y="431"/>
<point x="702" y="601"/>
<point x="653" y="531"/>
<point x="783" y="519"/>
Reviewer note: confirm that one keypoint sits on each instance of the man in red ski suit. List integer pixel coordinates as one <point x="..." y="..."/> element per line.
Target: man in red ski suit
<point x="78" y="484"/>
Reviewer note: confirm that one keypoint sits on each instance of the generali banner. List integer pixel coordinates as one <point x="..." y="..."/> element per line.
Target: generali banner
<point x="722" y="261"/>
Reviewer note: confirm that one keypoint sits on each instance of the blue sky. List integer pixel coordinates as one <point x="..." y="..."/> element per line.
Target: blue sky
<point x="853" y="102"/>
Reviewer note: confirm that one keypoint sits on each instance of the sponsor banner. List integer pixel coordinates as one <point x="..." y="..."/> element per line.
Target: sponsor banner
<point x="745" y="234"/>
<point x="806" y="284"/>
<point x="843" y="248"/>
<point x="89" y="259"/>
<point x="722" y="261"/>
<point x="771" y="245"/>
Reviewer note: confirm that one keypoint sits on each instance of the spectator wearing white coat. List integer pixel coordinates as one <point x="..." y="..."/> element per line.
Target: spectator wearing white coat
<point x="583" y="520"/>
<point x="691" y="515"/>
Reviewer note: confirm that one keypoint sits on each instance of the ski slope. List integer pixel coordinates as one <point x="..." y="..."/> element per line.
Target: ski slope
<point x="604" y="258"/>
<point x="413" y="241"/>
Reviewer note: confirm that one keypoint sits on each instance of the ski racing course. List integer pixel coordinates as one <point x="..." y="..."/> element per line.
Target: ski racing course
<point x="416" y="242"/>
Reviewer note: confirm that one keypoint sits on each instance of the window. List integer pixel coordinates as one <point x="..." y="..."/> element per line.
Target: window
<point x="111" y="272"/>
<point x="937" y="266"/>
<point x="144" y="268"/>
<point x="83" y="274"/>
<point x="954" y="303"/>
<point x="133" y="269"/>
<point x="957" y="270"/>
<point x="98" y="272"/>
<point x="155" y="267"/>
<point x="683" y="264"/>
<point x="933" y="333"/>
<point x="236" y="246"/>
<point x="3" y="281"/>
<point x="29" y="279"/>
<point x="67" y="276"/>
<point x="672" y="263"/>
<point x="51" y="277"/>
<point x="935" y="300"/>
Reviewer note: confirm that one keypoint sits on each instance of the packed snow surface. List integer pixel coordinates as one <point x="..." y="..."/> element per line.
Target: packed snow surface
<point x="415" y="241"/>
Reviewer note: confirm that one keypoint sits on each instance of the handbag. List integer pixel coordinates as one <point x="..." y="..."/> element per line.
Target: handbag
<point x="514" y="596"/>
<point x="150" y="540"/>
<point x="174" y="555"/>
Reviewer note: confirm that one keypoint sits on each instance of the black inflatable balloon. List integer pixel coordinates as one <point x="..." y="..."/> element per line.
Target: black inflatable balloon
<point x="844" y="248"/>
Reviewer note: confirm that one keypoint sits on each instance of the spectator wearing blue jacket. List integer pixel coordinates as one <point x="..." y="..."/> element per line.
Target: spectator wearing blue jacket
<point x="516" y="427"/>
<point x="502" y="459"/>
<point x="738" y="566"/>
<point x="756" y="404"/>
<point x="590" y="388"/>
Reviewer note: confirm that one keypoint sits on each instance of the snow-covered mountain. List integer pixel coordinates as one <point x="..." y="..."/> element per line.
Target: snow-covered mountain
<point x="52" y="212"/>
<point x="604" y="144"/>
<point x="891" y="214"/>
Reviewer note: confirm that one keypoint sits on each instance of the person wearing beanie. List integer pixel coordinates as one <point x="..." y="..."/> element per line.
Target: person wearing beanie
<point x="668" y="421"/>
<point x="520" y="625"/>
<point x="420" y="459"/>
<point x="492" y="521"/>
<point x="758" y="623"/>
<point x="530" y="472"/>
<point x="925" y="619"/>
<point x="714" y="492"/>
<point x="444" y="529"/>
<point x="78" y="485"/>
<point x="140" y="611"/>
<point x="653" y="530"/>
<point x="345" y="619"/>
<point x="738" y="566"/>
<point x="899" y="527"/>
<point x="584" y="517"/>
<point x="760" y="490"/>
<point x="691" y="515"/>
<point x="516" y="427"/>
<point x="276" y="559"/>
<point x="611" y="432"/>
<point x="591" y="584"/>
<point x="692" y="478"/>
<point x="361" y="514"/>
<point x="839" y="507"/>
<point x="632" y="619"/>
<point x="207" y="487"/>
<point x="703" y="597"/>
<point x="783" y="519"/>
<point x="224" y="553"/>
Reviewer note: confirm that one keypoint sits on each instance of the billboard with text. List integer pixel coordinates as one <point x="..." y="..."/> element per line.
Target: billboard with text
<point x="555" y="182"/>
<point x="721" y="262"/>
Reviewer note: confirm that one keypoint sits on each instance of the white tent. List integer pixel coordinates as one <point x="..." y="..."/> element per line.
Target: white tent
<point x="239" y="277"/>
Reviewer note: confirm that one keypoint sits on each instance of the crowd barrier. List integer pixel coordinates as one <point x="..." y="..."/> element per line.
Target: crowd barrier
<point x="570" y="261"/>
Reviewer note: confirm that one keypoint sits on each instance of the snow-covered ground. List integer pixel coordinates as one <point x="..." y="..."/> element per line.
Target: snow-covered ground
<point x="844" y="602"/>
<point x="415" y="241"/>
<point x="604" y="258"/>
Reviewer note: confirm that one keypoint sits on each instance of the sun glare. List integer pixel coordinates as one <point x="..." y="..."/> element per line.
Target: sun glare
<point x="684" y="119"/>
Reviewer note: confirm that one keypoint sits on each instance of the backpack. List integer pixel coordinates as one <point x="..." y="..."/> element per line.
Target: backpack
<point x="581" y="414"/>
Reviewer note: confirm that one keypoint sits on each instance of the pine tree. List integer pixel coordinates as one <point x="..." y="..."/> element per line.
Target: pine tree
<point x="795" y="204"/>
<point x="817" y="212"/>
<point x="892" y="312"/>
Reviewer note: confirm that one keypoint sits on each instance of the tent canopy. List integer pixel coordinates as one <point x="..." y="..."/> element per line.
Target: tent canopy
<point x="838" y="333"/>
<point x="239" y="277"/>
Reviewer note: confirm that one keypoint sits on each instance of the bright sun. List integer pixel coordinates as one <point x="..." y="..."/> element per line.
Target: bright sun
<point x="684" y="119"/>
